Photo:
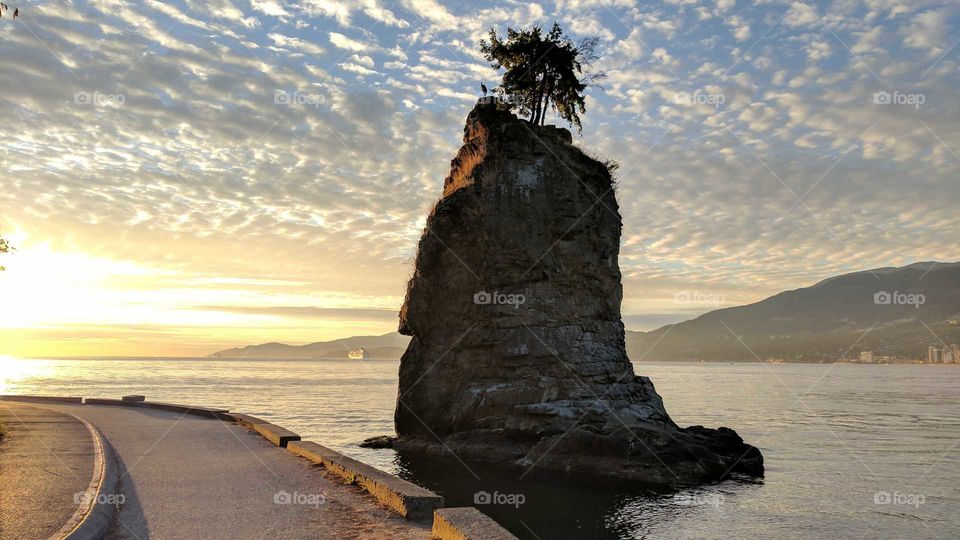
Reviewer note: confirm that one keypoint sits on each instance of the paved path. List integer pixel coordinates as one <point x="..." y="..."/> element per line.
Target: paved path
<point x="46" y="458"/>
<point x="189" y="477"/>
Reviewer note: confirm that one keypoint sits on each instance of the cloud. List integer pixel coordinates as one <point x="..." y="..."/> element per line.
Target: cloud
<point x="632" y="45"/>
<point x="358" y="69"/>
<point x="336" y="9"/>
<point x="868" y="41"/>
<point x="225" y="10"/>
<point x="655" y="21"/>
<point x="818" y="50"/>
<point x="343" y="42"/>
<point x="801" y="14"/>
<point x="379" y="13"/>
<point x="434" y="12"/>
<point x="362" y="60"/>
<point x="295" y="43"/>
<point x="274" y="8"/>
<point x="741" y="30"/>
<point x="927" y="31"/>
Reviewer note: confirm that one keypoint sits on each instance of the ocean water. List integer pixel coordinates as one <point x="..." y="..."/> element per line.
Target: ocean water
<point x="852" y="451"/>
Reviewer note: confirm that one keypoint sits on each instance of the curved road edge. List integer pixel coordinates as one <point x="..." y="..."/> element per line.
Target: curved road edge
<point x="93" y="516"/>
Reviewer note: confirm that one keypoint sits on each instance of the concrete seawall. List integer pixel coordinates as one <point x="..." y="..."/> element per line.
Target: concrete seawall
<point x="416" y="504"/>
<point x="408" y="499"/>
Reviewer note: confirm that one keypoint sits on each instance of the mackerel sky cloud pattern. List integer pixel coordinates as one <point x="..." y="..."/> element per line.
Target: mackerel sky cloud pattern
<point x="760" y="149"/>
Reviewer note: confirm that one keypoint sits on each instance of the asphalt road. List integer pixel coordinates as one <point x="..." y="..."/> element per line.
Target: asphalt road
<point x="188" y="477"/>
<point x="46" y="458"/>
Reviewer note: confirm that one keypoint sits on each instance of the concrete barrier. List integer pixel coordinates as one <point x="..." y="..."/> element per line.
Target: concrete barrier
<point x="244" y="420"/>
<point x="139" y="401"/>
<point x="467" y="523"/>
<point x="406" y="498"/>
<point x="56" y="399"/>
<point x="108" y="401"/>
<point x="276" y="434"/>
<point x="186" y="409"/>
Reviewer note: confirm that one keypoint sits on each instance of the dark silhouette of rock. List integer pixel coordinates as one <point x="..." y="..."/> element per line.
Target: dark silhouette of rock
<point x="517" y="352"/>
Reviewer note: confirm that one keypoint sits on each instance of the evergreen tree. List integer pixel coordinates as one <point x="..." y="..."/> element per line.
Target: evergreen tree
<point x="543" y="71"/>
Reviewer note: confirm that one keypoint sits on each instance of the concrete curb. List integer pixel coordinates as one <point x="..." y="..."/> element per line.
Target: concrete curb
<point x="209" y="412"/>
<point x="276" y="434"/>
<point x="175" y="407"/>
<point x="467" y="523"/>
<point x="41" y="399"/>
<point x="244" y="420"/>
<point x="406" y="498"/>
<point x="107" y="401"/>
<point x="92" y="519"/>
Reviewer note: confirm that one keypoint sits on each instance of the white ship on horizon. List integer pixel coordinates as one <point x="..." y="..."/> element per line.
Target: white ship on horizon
<point x="357" y="354"/>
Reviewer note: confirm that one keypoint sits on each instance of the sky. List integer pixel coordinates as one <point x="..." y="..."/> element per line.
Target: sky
<point x="182" y="177"/>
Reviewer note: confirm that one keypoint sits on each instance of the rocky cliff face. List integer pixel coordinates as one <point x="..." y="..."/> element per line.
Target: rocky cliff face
<point x="517" y="352"/>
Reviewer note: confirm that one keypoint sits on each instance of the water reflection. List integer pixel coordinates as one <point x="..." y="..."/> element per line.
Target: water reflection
<point x="13" y="370"/>
<point x="546" y="505"/>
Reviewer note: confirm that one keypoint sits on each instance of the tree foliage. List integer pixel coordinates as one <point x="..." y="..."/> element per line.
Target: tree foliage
<point x="4" y="248"/>
<point x="543" y="71"/>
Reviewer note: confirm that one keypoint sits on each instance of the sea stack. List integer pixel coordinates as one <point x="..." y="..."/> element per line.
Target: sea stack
<point x="517" y="353"/>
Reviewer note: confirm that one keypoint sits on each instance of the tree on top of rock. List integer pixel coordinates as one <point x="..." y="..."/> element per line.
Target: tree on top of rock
<point x="542" y="71"/>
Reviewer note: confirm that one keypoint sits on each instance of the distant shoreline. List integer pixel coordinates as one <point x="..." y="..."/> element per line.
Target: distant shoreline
<point x="360" y="362"/>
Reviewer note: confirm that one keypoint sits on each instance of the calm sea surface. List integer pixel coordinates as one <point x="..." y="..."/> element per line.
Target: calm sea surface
<point x="852" y="451"/>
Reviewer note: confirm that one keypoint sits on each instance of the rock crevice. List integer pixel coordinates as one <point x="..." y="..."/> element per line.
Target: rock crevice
<point x="517" y="352"/>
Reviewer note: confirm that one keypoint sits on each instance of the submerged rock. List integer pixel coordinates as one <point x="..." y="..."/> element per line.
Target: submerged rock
<point x="378" y="442"/>
<point x="517" y="352"/>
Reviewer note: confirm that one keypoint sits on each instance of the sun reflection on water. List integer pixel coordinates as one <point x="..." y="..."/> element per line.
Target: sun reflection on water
<point x="15" y="370"/>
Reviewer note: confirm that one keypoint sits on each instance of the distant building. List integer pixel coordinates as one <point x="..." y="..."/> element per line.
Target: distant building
<point x="866" y="357"/>
<point x="948" y="354"/>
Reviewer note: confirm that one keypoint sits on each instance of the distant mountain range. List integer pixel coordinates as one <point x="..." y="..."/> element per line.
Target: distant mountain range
<point x="389" y="345"/>
<point x="895" y="312"/>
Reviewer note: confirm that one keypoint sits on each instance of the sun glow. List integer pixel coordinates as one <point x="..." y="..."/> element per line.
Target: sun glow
<point x="48" y="287"/>
<point x="60" y="303"/>
<point x="14" y="370"/>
